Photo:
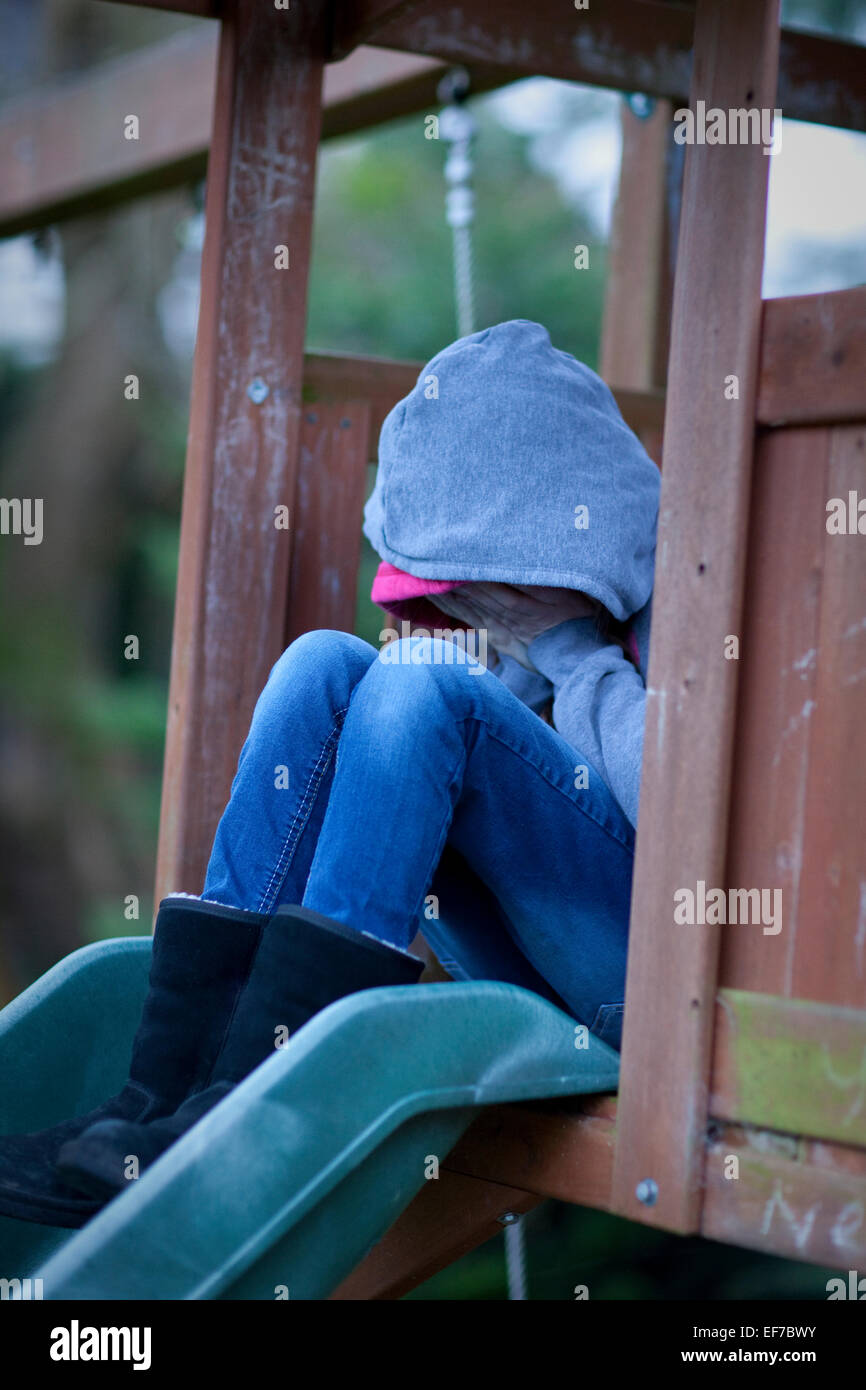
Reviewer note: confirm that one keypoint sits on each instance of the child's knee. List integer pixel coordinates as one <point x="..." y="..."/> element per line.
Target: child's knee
<point x="321" y="653"/>
<point x="425" y="669"/>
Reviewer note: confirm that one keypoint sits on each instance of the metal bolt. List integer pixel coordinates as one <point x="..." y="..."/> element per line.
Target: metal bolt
<point x="257" y="390"/>
<point x="641" y="105"/>
<point x="647" y="1191"/>
<point x="508" y="1218"/>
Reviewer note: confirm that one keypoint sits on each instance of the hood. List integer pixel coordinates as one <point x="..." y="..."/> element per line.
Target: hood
<point x="510" y="462"/>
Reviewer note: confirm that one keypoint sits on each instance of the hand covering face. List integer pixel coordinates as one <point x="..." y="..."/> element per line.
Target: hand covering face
<point x="512" y="615"/>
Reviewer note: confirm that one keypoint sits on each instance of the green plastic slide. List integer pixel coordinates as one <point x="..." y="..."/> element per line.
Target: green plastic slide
<point x="282" y="1189"/>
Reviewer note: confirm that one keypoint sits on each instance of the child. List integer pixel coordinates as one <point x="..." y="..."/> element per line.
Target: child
<point x="424" y="790"/>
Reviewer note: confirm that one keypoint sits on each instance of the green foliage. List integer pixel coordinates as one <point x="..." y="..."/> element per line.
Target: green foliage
<point x="382" y="278"/>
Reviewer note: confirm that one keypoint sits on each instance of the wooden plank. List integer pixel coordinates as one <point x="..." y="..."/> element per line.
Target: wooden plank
<point x="791" y="1065"/>
<point x="632" y="302"/>
<point x="62" y="150"/>
<point x="830" y="945"/>
<point x="448" y="1218"/>
<point x="326" y="526"/>
<point x="243" y="450"/>
<point x="776" y="698"/>
<point x="59" y="155"/>
<point x="380" y="381"/>
<point x="631" y="45"/>
<point x="804" y="1210"/>
<point x="691" y="688"/>
<point x="374" y="85"/>
<point x="552" y="1153"/>
<point x="635" y="331"/>
<point x="813" y="359"/>
<point x="383" y="381"/>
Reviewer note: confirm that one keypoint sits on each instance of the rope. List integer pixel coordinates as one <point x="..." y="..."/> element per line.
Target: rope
<point x="464" y="292"/>
<point x="457" y="127"/>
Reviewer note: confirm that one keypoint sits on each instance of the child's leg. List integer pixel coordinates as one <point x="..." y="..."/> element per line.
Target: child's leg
<point x="435" y="752"/>
<point x="266" y="837"/>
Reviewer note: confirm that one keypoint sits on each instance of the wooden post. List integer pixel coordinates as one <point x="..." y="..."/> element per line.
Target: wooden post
<point x="691" y="687"/>
<point x="245" y="413"/>
<point x="636" y="321"/>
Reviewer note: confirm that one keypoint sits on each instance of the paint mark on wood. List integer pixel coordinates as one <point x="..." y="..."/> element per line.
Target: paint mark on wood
<point x="799" y="1227"/>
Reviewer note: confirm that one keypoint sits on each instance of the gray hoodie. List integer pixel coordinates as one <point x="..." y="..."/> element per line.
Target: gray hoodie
<point x="510" y="462"/>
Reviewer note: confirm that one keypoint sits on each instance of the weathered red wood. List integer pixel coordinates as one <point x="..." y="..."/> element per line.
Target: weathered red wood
<point x="800" y="750"/>
<point x="632" y="45"/>
<point x="776" y="697"/>
<point x="551" y="1153"/>
<point x="382" y="382"/>
<point x="325" y="522"/>
<point x="242" y="452"/>
<point x="62" y="150"/>
<point x="830" y="950"/>
<point x="804" y="1210"/>
<point x="633" y="303"/>
<point x="451" y="1215"/>
<point x="691" y="688"/>
<point x="813" y="359"/>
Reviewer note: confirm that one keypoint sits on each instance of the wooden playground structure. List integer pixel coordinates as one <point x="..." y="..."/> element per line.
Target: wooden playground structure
<point x="738" y="1044"/>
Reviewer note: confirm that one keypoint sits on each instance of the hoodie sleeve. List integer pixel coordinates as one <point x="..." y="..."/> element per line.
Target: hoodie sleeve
<point x="599" y="703"/>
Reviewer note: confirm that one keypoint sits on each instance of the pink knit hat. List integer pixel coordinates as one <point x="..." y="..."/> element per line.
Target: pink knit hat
<point x="391" y="584"/>
<point x="403" y="594"/>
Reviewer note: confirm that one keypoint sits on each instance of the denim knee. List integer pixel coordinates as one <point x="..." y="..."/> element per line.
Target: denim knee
<point x="424" y="671"/>
<point x="323" y="649"/>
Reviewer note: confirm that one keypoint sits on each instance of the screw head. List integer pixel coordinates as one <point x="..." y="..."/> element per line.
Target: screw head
<point x="641" y="105"/>
<point x="257" y="390"/>
<point x="647" y="1192"/>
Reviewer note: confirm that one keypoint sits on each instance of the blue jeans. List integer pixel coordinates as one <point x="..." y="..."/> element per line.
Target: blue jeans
<point x="419" y="793"/>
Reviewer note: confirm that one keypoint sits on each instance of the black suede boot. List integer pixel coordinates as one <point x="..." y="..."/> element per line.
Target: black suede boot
<point x="305" y="961"/>
<point x="202" y="955"/>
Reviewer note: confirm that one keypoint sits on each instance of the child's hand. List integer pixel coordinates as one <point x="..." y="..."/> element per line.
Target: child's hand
<point x="522" y="611"/>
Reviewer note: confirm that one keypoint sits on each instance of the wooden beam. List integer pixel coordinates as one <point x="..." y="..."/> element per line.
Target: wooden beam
<point x="813" y="359"/>
<point x="691" y="688"/>
<point x="631" y="45"/>
<point x="636" y="259"/>
<point x="544" y="1150"/>
<point x="63" y="151"/>
<point x="626" y="44"/>
<point x="245" y="418"/>
<point x="447" y="1219"/>
<point x="383" y="381"/>
<point x="329" y="499"/>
